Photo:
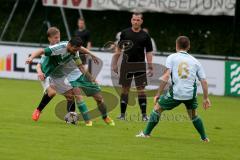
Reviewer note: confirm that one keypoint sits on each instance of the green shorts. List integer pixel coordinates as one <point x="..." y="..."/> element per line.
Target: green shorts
<point x="167" y="102"/>
<point x="88" y="87"/>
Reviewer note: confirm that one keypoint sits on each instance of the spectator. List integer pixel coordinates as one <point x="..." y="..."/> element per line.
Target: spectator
<point x="84" y="34"/>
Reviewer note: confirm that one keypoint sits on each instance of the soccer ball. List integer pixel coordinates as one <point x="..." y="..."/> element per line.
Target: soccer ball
<point x="71" y="117"/>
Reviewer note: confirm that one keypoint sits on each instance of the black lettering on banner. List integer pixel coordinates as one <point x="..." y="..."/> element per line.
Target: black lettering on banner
<point x="172" y="4"/>
<point x="231" y="4"/>
<point x="192" y="4"/>
<point x="132" y="3"/>
<point x="15" y="67"/>
<point x="32" y="67"/>
<point x="153" y="3"/>
<point x="142" y="3"/>
<point x="162" y="3"/>
<point x="119" y="2"/>
<point x="207" y="4"/>
<point x="183" y="4"/>
<point x="218" y="4"/>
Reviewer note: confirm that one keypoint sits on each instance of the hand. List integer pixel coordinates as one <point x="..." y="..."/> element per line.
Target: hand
<point x="156" y="98"/>
<point x="150" y="71"/>
<point x="206" y="103"/>
<point x="115" y="68"/>
<point x="41" y="76"/>
<point x="29" y="60"/>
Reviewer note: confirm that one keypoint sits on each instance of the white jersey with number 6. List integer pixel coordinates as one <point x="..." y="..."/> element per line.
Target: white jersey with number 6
<point x="184" y="71"/>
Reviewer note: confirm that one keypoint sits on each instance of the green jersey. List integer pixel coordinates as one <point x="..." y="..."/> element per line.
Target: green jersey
<point x="55" y="58"/>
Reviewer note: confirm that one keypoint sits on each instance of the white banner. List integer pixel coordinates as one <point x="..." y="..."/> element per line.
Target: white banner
<point x="12" y="65"/>
<point x="214" y="69"/>
<point x="194" y="7"/>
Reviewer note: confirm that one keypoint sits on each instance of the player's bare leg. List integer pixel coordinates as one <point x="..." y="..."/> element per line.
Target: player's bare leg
<point x="103" y="109"/>
<point x="69" y="95"/>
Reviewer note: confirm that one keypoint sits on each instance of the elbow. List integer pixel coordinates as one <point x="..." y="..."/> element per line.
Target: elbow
<point x="204" y="81"/>
<point x="167" y="77"/>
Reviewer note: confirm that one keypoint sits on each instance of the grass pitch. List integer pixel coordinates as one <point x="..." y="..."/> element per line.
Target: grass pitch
<point x="50" y="138"/>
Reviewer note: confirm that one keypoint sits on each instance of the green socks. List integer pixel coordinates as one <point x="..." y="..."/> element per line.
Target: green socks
<point x="198" y="124"/>
<point x="83" y="109"/>
<point x="103" y="109"/>
<point x="153" y="121"/>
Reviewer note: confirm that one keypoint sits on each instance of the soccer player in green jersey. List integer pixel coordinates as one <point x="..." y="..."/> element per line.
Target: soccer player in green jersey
<point x="53" y="34"/>
<point x="183" y="69"/>
<point x="64" y="53"/>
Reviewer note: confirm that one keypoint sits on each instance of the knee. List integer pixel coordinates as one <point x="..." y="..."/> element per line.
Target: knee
<point x="78" y="98"/>
<point x="98" y="99"/>
<point x="51" y="92"/>
<point x="69" y="97"/>
<point x="192" y="114"/>
<point x="158" y="108"/>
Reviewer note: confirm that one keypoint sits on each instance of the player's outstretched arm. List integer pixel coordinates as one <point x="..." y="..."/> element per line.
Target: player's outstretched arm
<point x="115" y="59"/>
<point x="34" y="55"/>
<point x="41" y="75"/>
<point x="206" y="101"/>
<point x="163" y="82"/>
<point x="86" y="73"/>
<point x="86" y="51"/>
<point x="83" y="69"/>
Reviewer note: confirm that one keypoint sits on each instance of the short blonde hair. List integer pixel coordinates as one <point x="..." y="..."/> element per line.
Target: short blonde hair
<point x="52" y="31"/>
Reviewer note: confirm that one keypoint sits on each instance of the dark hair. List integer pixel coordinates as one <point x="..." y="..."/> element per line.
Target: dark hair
<point x="81" y="19"/>
<point x="138" y="14"/>
<point x="183" y="42"/>
<point x="75" y="42"/>
<point x="52" y="31"/>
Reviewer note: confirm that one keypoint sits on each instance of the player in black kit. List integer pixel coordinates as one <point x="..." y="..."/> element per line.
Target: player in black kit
<point x="133" y="64"/>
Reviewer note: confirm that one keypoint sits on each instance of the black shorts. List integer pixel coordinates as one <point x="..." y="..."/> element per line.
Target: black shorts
<point x="128" y="73"/>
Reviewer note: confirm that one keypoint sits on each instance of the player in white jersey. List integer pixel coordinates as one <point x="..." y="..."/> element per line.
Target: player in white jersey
<point x="50" y="88"/>
<point x="59" y="56"/>
<point x="183" y="69"/>
<point x="78" y="80"/>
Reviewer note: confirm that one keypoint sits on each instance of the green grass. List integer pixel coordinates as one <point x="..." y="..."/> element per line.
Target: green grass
<point x="51" y="138"/>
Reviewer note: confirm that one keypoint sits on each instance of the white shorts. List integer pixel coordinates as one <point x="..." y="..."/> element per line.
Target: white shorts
<point x="45" y="84"/>
<point x="61" y="85"/>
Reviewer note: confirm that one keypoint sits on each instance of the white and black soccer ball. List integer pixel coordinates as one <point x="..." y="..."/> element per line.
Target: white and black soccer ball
<point x="71" y="117"/>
